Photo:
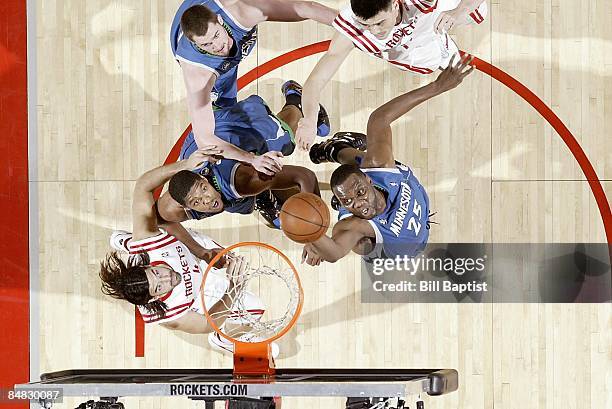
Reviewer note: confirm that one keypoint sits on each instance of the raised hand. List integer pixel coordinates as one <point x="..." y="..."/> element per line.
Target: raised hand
<point x="310" y="255"/>
<point x="236" y="273"/>
<point x="305" y="134"/>
<point x="208" y="153"/>
<point x="269" y="163"/>
<point x="454" y="73"/>
<point x="446" y="21"/>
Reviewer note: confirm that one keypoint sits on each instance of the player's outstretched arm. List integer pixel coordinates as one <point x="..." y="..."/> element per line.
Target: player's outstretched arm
<point x="345" y="236"/>
<point x="191" y="322"/>
<point x="327" y="66"/>
<point x="249" y="182"/>
<point x="452" y="18"/>
<point x="294" y="10"/>
<point x="380" y="149"/>
<point x="199" y="83"/>
<point x="144" y="213"/>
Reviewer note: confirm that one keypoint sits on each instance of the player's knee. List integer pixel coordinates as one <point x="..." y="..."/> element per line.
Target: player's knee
<point x="308" y="181"/>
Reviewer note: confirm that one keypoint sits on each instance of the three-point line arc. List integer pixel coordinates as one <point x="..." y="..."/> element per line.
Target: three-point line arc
<point x="483" y="66"/>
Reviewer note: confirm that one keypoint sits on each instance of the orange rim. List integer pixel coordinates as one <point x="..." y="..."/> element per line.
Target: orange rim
<point x="298" y="309"/>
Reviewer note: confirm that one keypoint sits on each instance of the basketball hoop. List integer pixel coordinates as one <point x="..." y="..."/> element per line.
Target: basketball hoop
<point x="262" y="306"/>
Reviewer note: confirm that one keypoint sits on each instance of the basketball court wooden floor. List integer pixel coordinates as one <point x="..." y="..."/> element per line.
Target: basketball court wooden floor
<point x="110" y="105"/>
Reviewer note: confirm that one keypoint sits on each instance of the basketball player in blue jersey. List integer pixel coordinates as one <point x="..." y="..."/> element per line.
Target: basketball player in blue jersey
<point x="383" y="209"/>
<point x="209" y="38"/>
<point x="236" y="187"/>
<point x="233" y="187"/>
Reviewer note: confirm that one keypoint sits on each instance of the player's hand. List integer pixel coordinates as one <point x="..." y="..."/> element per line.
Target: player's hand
<point x="208" y="153"/>
<point x="310" y="255"/>
<point x="454" y="73"/>
<point x="305" y="134"/>
<point x="236" y="272"/>
<point x="269" y="163"/>
<point x="446" y="20"/>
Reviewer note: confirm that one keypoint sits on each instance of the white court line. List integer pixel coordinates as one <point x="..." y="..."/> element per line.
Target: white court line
<point x="33" y="230"/>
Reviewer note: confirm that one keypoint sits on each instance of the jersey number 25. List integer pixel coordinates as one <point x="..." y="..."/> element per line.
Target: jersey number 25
<point x="414" y="224"/>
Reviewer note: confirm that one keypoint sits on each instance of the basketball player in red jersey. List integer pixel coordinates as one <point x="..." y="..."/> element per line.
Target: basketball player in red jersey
<point x="162" y="277"/>
<point x="411" y="35"/>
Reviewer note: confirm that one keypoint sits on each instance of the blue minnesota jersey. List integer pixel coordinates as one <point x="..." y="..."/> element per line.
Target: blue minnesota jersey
<point x="401" y="229"/>
<point x="225" y="89"/>
<point x="251" y="126"/>
<point x="221" y="176"/>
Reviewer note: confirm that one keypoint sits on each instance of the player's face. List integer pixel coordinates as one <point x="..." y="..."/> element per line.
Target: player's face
<point x="358" y="196"/>
<point x="216" y="41"/>
<point x="202" y="197"/>
<point x="381" y="24"/>
<point x="162" y="279"/>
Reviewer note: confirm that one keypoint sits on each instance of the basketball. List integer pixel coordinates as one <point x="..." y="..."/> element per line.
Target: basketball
<point x="304" y="217"/>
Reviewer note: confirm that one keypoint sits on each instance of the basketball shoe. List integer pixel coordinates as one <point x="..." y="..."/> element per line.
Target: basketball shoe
<point x="268" y="207"/>
<point x="293" y="96"/>
<point x="327" y="151"/>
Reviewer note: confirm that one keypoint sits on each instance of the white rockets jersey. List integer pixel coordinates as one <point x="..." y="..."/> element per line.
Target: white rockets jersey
<point x="166" y="249"/>
<point x="412" y="44"/>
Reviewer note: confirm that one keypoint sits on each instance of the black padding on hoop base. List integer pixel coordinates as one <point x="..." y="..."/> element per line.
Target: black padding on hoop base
<point x="248" y="403"/>
<point x="443" y="381"/>
<point x="357" y="403"/>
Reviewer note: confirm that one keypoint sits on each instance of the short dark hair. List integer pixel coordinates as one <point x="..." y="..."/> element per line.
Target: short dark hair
<point x="128" y="281"/>
<point x="180" y="185"/>
<point x="194" y="21"/>
<point x="343" y="172"/>
<point x="369" y="8"/>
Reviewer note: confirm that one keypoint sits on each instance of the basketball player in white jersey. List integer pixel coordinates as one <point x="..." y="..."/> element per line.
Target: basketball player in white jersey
<point x="411" y="35"/>
<point x="162" y="276"/>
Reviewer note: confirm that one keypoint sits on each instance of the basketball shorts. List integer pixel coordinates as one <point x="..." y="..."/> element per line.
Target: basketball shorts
<point x="251" y="126"/>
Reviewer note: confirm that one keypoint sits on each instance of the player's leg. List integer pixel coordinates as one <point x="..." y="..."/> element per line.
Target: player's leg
<point x="239" y="324"/>
<point x="293" y="98"/>
<point x="269" y="203"/>
<point x="215" y="288"/>
<point x="343" y="147"/>
<point x="291" y="115"/>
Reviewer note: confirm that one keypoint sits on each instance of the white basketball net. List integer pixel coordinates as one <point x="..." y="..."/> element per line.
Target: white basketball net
<point x="265" y="301"/>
